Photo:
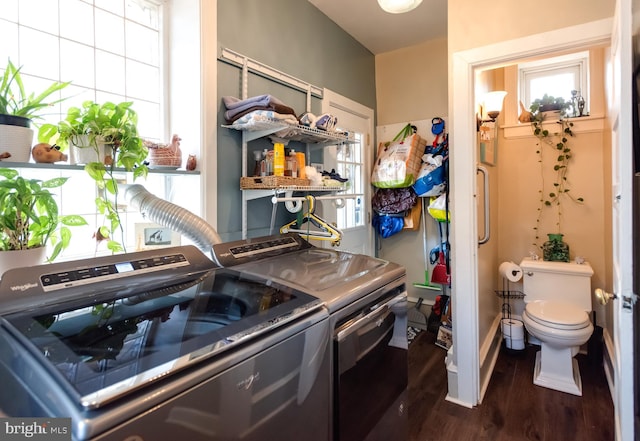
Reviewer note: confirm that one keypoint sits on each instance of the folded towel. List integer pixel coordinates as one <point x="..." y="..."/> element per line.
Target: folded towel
<point x="235" y="105"/>
<point x="256" y="119"/>
<point x="232" y="102"/>
<point x="232" y="115"/>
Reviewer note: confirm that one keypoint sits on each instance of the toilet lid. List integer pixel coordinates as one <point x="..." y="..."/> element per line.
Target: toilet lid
<point x="557" y="314"/>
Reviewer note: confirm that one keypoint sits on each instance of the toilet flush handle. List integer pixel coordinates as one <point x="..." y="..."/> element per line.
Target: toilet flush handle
<point x="603" y="296"/>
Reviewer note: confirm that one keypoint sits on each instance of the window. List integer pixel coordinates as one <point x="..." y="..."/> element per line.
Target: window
<point x="110" y="49"/>
<point x="350" y="165"/>
<point x="556" y="77"/>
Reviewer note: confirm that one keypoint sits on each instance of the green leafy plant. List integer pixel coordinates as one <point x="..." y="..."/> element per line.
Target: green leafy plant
<point x="29" y="215"/>
<point x="548" y="103"/>
<point x="14" y="100"/>
<point x="114" y="126"/>
<point x="558" y="145"/>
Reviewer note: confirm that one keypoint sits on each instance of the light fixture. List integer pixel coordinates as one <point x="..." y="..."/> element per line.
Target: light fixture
<point x="491" y="106"/>
<point x="398" y="6"/>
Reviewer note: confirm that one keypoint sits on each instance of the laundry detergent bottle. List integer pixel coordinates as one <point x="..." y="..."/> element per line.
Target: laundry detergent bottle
<point x="278" y="159"/>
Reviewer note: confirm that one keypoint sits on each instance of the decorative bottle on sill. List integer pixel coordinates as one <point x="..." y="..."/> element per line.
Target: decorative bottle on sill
<point x="555" y="249"/>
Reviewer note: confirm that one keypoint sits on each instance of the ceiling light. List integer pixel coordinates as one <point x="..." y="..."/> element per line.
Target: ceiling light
<point x="398" y="6"/>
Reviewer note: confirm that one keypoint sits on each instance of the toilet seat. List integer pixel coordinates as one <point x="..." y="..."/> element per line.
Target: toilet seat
<point x="557" y="315"/>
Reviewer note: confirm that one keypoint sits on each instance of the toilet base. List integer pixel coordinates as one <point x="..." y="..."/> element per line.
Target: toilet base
<point x="552" y="373"/>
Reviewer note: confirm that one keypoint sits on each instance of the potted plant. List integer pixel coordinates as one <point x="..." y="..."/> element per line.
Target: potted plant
<point x="548" y="106"/>
<point x="30" y="219"/>
<point x="554" y="150"/>
<point x="95" y="127"/>
<point x="18" y="109"/>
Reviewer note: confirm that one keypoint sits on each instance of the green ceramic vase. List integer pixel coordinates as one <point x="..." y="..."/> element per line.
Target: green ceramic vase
<point x="555" y="249"/>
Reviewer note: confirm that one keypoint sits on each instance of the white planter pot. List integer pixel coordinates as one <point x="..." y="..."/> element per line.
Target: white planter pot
<point x="22" y="258"/>
<point x="16" y="141"/>
<point x="82" y="152"/>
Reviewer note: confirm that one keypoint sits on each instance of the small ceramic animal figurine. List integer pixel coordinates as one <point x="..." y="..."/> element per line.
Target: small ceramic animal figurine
<point x="4" y="155"/>
<point x="525" y="115"/>
<point x="192" y="162"/>
<point x="45" y="153"/>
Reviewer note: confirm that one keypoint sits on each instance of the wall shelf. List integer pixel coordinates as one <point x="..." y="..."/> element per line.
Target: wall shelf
<point x="283" y="132"/>
<point x="583" y="124"/>
<point x="61" y="166"/>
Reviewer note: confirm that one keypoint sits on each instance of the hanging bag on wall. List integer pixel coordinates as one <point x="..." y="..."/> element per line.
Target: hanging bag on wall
<point x="398" y="162"/>
<point x="387" y="225"/>
<point x="431" y="178"/>
<point x="393" y="200"/>
<point x="438" y="208"/>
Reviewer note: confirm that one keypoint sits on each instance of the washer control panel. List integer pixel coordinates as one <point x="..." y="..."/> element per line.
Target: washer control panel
<point x="248" y="250"/>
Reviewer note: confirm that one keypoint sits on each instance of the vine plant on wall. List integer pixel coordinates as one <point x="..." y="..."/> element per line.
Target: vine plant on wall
<point x="557" y="145"/>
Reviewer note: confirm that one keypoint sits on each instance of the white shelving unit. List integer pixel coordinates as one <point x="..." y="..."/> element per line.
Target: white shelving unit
<point x="307" y="135"/>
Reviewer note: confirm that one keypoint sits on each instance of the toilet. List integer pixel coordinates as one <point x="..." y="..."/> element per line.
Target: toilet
<point x="557" y="297"/>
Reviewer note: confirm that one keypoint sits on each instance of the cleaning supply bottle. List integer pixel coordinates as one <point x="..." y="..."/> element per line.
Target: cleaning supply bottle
<point x="269" y="161"/>
<point x="278" y="159"/>
<point x="264" y="171"/>
<point x="292" y="164"/>
<point x="301" y="164"/>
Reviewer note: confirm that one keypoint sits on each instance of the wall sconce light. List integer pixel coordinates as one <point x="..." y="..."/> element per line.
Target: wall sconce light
<point x="398" y="6"/>
<point x="491" y="105"/>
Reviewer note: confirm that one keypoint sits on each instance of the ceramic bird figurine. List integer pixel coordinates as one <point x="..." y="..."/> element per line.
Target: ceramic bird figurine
<point x="525" y="115"/>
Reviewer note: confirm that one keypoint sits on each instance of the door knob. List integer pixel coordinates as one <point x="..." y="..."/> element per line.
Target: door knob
<point x="603" y="297"/>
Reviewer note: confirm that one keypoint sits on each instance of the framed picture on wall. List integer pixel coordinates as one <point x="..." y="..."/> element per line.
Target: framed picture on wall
<point x="488" y="152"/>
<point x="488" y="143"/>
<point x="150" y="236"/>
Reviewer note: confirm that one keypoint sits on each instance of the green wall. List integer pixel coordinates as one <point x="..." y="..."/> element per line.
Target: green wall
<point x="293" y="37"/>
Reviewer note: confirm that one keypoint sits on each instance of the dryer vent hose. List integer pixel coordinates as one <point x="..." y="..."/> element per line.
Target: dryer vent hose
<point x="170" y="215"/>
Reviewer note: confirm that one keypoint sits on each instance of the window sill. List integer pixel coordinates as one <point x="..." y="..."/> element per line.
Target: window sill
<point x="584" y="124"/>
<point x="63" y="166"/>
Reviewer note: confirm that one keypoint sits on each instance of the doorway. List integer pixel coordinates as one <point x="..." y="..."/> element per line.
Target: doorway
<point x="466" y="360"/>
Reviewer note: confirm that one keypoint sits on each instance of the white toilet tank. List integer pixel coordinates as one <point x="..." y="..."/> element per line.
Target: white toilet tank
<point x="566" y="281"/>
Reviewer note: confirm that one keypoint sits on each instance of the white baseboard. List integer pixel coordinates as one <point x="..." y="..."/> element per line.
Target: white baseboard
<point x="489" y="351"/>
<point x="609" y="355"/>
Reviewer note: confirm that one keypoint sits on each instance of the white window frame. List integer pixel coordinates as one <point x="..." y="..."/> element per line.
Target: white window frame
<point x="576" y="64"/>
<point x="166" y="186"/>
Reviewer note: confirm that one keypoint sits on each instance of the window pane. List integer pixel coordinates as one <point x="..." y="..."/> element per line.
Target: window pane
<point x="148" y="118"/>
<point x="143" y="81"/>
<point x="109" y="32"/>
<point x="556" y="85"/>
<point x="115" y="6"/>
<point x="8" y="34"/>
<point x="142" y="43"/>
<point x="142" y="12"/>
<point x="110" y="73"/>
<point x="45" y="20"/>
<point x="76" y="21"/>
<point x="80" y="72"/>
<point x="39" y="53"/>
<point x="9" y="10"/>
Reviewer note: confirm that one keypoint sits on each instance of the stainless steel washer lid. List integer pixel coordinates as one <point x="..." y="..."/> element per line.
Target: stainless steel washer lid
<point x="336" y="277"/>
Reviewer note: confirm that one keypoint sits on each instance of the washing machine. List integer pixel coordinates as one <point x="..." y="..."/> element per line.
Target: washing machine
<point x="367" y="302"/>
<point x="163" y="344"/>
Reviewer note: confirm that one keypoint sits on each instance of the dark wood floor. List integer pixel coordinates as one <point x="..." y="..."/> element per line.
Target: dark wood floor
<point x="513" y="408"/>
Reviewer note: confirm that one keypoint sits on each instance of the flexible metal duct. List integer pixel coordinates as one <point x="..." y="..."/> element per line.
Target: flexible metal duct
<point x="170" y="215"/>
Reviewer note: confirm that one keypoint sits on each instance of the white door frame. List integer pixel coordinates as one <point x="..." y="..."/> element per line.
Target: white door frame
<point x="622" y="220"/>
<point x="463" y="363"/>
<point x="337" y="104"/>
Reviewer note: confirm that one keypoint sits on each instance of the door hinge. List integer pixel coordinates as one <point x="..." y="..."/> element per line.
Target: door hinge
<point x="629" y="301"/>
